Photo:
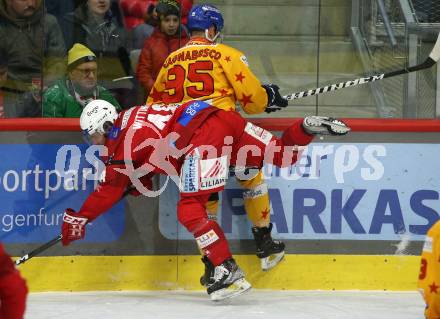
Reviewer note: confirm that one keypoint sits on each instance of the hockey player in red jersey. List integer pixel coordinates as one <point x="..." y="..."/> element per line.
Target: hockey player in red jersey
<point x="429" y="277"/>
<point x="195" y="144"/>
<point x="13" y="289"/>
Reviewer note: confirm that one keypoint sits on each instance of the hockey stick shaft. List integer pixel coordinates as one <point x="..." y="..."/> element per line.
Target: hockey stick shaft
<point x="51" y="242"/>
<point x="39" y="250"/>
<point x="434" y="56"/>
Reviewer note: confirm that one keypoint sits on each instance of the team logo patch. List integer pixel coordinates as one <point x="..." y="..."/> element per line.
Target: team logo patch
<point x="207" y="239"/>
<point x="244" y="60"/>
<point x="258" y="191"/>
<point x="126" y="117"/>
<point x="214" y="173"/>
<point x="259" y="133"/>
<point x="189" y="175"/>
<point x="427" y="246"/>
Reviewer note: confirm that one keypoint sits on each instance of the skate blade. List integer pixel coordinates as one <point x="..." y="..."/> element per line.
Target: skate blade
<point x="269" y="262"/>
<point x="236" y="289"/>
<point x="337" y="128"/>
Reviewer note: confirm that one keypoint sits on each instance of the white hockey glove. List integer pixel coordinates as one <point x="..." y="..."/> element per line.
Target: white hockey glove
<point x="324" y="125"/>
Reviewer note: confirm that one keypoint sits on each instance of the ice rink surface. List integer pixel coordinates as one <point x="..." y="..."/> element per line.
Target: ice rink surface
<point x="253" y="305"/>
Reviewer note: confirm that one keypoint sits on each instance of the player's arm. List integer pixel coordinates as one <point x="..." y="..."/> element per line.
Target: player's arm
<point x="108" y="193"/>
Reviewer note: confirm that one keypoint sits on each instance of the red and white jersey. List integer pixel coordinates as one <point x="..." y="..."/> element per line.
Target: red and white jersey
<point x="143" y="142"/>
<point x="429" y="277"/>
<point x="6" y="264"/>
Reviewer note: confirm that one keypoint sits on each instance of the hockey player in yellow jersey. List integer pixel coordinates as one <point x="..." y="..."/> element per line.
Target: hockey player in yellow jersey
<point x="429" y="277"/>
<point x="220" y="75"/>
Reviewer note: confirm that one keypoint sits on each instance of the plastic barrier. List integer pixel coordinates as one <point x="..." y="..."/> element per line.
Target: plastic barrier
<point x="352" y="213"/>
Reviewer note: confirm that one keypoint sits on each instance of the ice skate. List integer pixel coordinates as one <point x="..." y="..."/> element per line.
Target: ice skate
<point x="324" y="125"/>
<point x="270" y="251"/>
<point x="229" y="281"/>
<point x="207" y="278"/>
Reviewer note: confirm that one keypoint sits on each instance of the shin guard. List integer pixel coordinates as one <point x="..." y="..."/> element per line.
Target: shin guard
<point x="212" y="241"/>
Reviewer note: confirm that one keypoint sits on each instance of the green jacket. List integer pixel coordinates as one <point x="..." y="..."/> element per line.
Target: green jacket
<point x="59" y="102"/>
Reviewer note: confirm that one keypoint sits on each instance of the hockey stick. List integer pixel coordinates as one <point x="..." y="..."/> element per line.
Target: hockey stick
<point x="53" y="241"/>
<point x="38" y="250"/>
<point x="434" y="56"/>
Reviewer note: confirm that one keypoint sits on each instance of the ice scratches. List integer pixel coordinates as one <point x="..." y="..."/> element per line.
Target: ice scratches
<point x="264" y="304"/>
<point x="402" y="248"/>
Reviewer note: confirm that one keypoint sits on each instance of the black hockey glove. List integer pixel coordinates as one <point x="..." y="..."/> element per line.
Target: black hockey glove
<point x="275" y="101"/>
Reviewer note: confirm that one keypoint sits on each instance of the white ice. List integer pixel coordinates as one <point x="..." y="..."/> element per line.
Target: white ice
<point x="253" y="305"/>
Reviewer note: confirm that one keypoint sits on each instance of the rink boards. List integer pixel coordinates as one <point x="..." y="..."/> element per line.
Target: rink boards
<point x="353" y="214"/>
<point x="296" y="272"/>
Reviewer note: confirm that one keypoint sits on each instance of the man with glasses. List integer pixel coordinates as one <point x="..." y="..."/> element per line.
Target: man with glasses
<point x="67" y="97"/>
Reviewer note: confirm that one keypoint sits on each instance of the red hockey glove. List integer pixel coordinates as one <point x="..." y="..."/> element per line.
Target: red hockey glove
<point x="74" y="226"/>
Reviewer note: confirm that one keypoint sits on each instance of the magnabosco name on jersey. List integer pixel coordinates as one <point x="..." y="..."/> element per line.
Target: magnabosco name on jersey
<point x="189" y="55"/>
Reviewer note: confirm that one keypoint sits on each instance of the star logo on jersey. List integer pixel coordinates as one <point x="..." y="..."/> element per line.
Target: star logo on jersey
<point x="433" y="288"/>
<point x="224" y="92"/>
<point x="227" y="58"/>
<point x="245" y="100"/>
<point x="264" y="213"/>
<point x="156" y="95"/>
<point x="239" y="77"/>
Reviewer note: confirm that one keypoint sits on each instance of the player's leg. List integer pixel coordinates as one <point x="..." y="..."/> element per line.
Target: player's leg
<point x="13" y="289"/>
<point x="228" y="279"/>
<point x="211" y="209"/>
<point x="257" y="206"/>
<point x="204" y="171"/>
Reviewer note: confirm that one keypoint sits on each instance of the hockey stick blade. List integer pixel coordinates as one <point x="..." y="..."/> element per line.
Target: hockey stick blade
<point x="435" y="53"/>
<point x="434" y="56"/>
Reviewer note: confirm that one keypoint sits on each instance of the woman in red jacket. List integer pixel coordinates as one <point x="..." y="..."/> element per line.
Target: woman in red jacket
<point x="164" y="40"/>
<point x="135" y="11"/>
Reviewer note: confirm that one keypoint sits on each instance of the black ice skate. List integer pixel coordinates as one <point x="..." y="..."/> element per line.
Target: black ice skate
<point x="207" y="278"/>
<point x="324" y="125"/>
<point x="228" y="281"/>
<point x="270" y="251"/>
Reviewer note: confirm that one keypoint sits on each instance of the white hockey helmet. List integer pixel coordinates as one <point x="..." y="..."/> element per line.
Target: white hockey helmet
<point x="98" y="117"/>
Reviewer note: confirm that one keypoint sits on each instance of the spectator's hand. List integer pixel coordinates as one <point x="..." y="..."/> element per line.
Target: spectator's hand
<point x="74" y="226"/>
<point x="275" y="101"/>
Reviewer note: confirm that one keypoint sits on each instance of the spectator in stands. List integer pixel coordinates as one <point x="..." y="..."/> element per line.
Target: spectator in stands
<point x="34" y="46"/>
<point x="13" y="102"/>
<point x="164" y="40"/>
<point x="94" y="25"/>
<point x="142" y="32"/>
<point x="68" y="96"/>
<point x="3" y="82"/>
<point x="136" y="12"/>
<point x="59" y="8"/>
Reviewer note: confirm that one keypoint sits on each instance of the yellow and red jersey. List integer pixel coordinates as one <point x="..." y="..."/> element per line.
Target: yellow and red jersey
<point x="214" y="73"/>
<point x="429" y="277"/>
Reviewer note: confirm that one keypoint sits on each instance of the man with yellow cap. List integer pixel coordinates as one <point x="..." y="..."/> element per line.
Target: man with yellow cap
<point x="68" y="96"/>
